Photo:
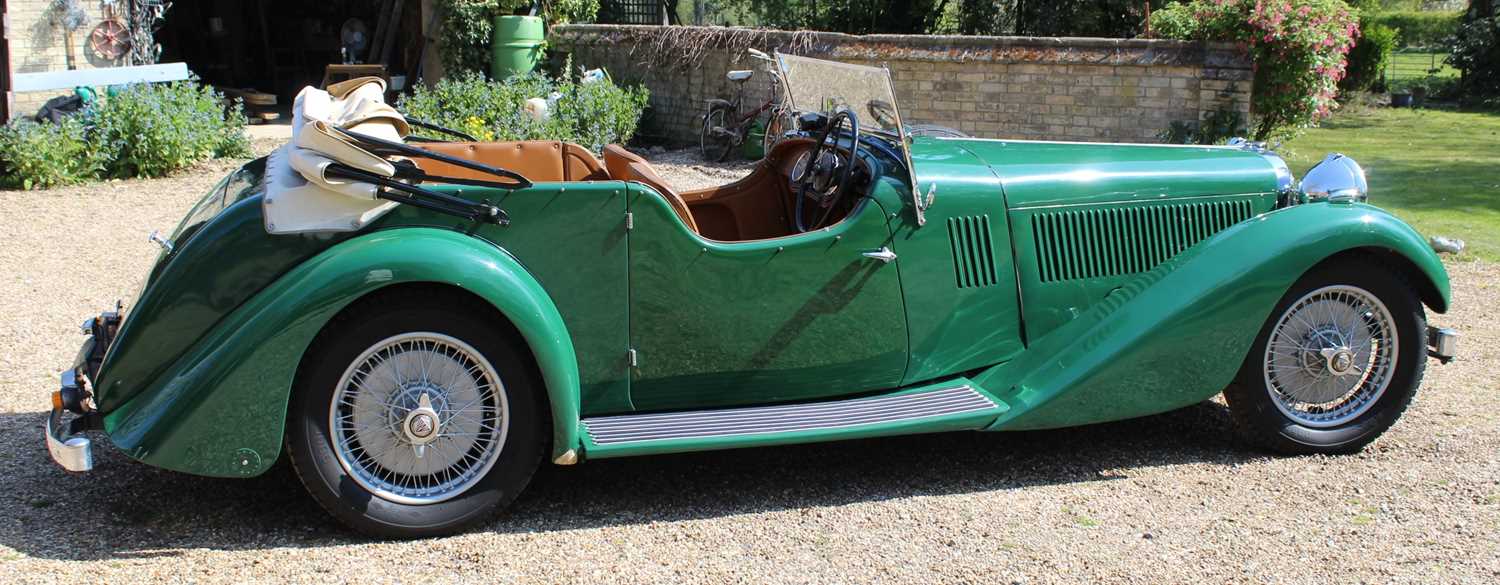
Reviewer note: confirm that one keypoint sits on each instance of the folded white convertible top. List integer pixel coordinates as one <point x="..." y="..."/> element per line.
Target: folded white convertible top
<point x="300" y="194"/>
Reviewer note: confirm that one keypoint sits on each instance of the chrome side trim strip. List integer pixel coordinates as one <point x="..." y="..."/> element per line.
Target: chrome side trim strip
<point x="1085" y="143"/>
<point x="618" y="429"/>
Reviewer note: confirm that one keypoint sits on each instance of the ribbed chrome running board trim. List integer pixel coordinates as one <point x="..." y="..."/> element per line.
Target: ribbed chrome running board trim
<point x="629" y="428"/>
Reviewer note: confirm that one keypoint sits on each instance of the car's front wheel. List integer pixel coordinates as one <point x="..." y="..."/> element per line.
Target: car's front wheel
<point x="1335" y="365"/>
<point x="415" y="417"/>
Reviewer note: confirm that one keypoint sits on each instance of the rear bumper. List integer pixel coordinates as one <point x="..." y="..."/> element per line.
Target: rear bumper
<point x="68" y="449"/>
<point x="65" y="442"/>
<point x="1442" y="343"/>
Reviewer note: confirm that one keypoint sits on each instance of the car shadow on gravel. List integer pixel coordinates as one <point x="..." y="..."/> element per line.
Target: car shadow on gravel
<point x="126" y="510"/>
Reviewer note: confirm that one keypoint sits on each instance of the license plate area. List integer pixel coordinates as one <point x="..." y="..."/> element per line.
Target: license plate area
<point x="103" y="328"/>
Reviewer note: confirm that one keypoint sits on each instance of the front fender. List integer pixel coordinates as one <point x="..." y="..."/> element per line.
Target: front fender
<point x="1178" y="334"/>
<point x="220" y="409"/>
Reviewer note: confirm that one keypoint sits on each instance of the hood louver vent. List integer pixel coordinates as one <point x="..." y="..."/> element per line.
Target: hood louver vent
<point x="973" y="252"/>
<point x="1094" y="243"/>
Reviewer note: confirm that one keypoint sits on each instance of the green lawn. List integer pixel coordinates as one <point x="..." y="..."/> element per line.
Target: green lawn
<point x="1438" y="170"/>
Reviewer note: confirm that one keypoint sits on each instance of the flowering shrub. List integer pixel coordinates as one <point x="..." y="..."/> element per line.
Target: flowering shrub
<point x="145" y="130"/>
<point x="1298" y="46"/>
<point x="152" y="129"/>
<point x="590" y="114"/>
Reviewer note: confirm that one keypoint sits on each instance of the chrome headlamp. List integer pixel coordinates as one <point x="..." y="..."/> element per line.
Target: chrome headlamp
<point x="1338" y="179"/>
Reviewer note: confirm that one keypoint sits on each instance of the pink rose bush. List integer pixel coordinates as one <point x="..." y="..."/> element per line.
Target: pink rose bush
<point x="1299" y="47"/>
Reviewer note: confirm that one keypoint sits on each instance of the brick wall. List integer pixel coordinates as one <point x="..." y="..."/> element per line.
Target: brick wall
<point x="1107" y="90"/>
<point x="37" y="44"/>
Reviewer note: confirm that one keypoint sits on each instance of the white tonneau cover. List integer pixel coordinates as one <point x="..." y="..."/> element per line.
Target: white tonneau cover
<point x="300" y="197"/>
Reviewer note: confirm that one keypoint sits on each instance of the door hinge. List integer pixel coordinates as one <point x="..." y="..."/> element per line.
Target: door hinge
<point x="630" y="357"/>
<point x="629" y="220"/>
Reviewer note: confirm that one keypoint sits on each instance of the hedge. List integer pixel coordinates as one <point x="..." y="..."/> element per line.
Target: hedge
<point x="1418" y="29"/>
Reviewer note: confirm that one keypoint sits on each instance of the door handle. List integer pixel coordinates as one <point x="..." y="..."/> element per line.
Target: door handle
<point x="884" y="255"/>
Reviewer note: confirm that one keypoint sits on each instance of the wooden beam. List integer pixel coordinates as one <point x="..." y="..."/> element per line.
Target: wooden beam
<point x="96" y="77"/>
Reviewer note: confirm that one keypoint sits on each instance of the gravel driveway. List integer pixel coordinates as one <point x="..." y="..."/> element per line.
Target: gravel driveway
<point x="1169" y="498"/>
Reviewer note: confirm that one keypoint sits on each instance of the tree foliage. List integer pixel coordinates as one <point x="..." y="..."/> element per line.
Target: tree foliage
<point x="1476" y="52"/>
<point x="1097" y="18"/>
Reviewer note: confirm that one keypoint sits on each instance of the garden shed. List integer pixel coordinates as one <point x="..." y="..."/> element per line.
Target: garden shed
<point x="260" y="47"/>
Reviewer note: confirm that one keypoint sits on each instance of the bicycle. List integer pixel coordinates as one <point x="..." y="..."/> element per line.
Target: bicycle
<point x="719" y="135"/>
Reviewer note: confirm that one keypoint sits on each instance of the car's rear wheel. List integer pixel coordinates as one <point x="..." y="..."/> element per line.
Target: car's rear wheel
<point x="1335" y="365"/>
<point x="415" y="417"/>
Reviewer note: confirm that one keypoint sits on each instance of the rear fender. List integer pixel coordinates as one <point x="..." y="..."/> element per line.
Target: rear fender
<point x="1178" y="334"/>
<point x="220" y="410"/>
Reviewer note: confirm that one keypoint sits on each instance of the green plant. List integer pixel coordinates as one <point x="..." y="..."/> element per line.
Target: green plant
<point x="591" y="114"/>
<point x="468" y="29"/>
<point x="40" y="156"/>
<point x="1437" y="86"/>
<point x="1174" y="21"/>
<point x="1298" y="47"/>
<point x="1418" y="29"/>
<point x="1368" y="58"/>
<point x="150" y="130"/>
<point x="1476" y="52"/>
<point x="566" y="11"/>
<point x="1215" y="128"/>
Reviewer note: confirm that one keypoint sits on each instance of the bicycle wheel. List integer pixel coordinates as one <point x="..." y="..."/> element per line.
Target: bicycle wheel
<point x="716" y="138"/>
<point x="776" y="128"/>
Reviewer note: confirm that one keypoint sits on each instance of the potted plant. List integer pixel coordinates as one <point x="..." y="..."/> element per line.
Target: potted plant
<point x="1418" y="94"/>
<point x="1400" y="98"/>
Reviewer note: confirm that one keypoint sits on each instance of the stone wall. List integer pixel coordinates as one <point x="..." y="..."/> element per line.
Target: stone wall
<point x="1106" y="90"/>
<point x="38" y="44"/>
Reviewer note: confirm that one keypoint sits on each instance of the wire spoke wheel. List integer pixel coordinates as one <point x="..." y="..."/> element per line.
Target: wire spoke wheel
<point x="1331" y="356"/>
<point x="419" y="418"/>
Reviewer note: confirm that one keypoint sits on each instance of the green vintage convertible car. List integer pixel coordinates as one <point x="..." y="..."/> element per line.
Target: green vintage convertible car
<point x="417" y="325"/>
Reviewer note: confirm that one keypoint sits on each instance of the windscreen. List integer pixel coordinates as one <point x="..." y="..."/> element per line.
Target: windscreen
<point x="815" y="85"/>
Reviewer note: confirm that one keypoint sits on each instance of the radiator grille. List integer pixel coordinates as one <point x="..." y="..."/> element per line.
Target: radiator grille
<point x="973" y="251"/>
<point x="1102" y="242"/>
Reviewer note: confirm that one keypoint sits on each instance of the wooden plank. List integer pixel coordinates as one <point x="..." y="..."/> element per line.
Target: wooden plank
<point x="393" y="29"/>
<point x="95" y="77"/>
<point x="373" y="55"/>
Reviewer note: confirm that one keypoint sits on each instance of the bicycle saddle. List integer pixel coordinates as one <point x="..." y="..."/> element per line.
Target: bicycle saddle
<point x="740" y="75"/>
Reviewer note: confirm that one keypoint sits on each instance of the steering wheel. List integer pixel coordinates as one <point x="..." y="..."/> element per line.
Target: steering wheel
<point x="825" y="178"/>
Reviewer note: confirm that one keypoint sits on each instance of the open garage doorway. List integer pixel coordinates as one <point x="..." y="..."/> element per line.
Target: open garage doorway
<point x="265" y="51"/>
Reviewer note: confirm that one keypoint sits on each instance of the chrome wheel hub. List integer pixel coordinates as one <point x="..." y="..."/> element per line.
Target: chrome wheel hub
<point x="1340" y="360"/>
<point x="1331" y="355"/>
<point x="419" y="418"/>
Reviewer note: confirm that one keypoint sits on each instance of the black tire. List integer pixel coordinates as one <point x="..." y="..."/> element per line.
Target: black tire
<point x="310" y="443"/>
<point x="1260" y="421"/>
<point x="715" y="146"/>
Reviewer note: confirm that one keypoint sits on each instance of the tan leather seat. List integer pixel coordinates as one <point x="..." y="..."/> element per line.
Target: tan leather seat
<point x="624" y="165"/>
<point x="542" y="161"/>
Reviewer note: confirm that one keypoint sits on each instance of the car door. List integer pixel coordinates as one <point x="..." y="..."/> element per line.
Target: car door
<point x="801" y="317"/>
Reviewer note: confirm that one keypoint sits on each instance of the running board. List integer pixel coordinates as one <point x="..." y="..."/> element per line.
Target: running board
<point x="951" y="406"/>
